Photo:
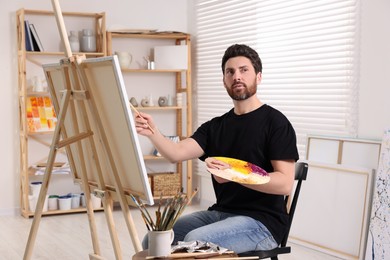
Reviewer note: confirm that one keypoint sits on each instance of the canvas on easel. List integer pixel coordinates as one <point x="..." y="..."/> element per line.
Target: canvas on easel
<point x="108" y="91"/>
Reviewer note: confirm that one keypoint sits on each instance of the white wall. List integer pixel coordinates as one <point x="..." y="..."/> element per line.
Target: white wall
<point x="146" y="14"/>
<point x="374" y="106"/>
<point x="177" y="15"/>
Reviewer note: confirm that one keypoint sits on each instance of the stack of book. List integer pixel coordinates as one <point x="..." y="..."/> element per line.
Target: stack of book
<point x="33" y="43"/>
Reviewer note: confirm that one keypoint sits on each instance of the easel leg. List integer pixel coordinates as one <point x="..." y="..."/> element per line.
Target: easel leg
<point x="91" y="219"/>
<point x="49" y="167"/>
<point x="132" y="229"/>
<point x="38" y="215"/>
<point x="127" y="216"/>
<point x="108" y="211"/>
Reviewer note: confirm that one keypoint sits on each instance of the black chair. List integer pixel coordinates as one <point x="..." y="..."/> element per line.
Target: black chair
<point x="300" y="175"/>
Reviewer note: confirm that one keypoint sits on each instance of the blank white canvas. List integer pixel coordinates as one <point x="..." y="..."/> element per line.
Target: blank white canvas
<point x="332" y="211"/>
<point x="323" y="150"/>
<point x="361" y="154"/>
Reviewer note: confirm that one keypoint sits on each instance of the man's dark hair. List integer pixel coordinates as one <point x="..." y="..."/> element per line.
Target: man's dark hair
<point x="242" y="50"/>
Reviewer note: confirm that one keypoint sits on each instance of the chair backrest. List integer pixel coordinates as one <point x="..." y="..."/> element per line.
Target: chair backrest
<point x="300" y="175"/>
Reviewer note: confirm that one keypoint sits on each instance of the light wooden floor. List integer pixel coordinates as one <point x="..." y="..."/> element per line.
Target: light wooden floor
<point x="67" y="237"/>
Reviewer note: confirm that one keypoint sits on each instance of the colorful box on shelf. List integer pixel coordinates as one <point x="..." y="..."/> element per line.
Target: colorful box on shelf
<point x="40" y="114"/>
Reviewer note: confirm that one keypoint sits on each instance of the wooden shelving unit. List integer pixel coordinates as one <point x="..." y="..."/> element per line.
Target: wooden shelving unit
<point x="97" y="22"/>
<point x="182" y="85"/>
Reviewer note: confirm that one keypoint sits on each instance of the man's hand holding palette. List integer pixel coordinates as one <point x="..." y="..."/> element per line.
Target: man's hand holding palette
<point x="240" y="171"/>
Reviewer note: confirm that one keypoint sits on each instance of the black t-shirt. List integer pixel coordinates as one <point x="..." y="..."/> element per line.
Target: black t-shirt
<point x="257" y="137"/>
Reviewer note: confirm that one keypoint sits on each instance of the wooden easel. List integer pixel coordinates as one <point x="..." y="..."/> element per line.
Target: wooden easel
<point x="76" y="91"/>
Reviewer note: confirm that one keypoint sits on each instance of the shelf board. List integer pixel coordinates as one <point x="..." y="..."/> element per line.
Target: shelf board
<point x="58" y="53"/>
<point x="51" y="13"/>
<point x="160" y="108"/>
<point x="163" y="197"/>
<point x="153" y="157"/>
<point x="151" y="174"/>
<point x="151" y="35"/>
<point x="41" y="133"/>
<point x="38" y="94"/>
<point x="32" y="171"/>
<point x="56" y="212"/>
<point x="154" y="71"/>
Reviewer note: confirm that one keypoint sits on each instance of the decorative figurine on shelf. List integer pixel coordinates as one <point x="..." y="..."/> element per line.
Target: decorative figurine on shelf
<point x="162" y="101"/>
<point x="147" y="101"/>
<point x="134" y="102"/>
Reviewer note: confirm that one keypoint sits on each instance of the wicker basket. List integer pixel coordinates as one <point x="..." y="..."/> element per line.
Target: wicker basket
<point x="166" y="184"/>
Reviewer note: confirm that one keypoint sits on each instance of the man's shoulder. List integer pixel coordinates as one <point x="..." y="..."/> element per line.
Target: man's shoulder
<point x="273" y="111"/>
<point x="222" y="117"/>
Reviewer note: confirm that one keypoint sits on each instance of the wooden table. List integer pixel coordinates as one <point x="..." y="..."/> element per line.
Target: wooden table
<point x="143" y="255"/>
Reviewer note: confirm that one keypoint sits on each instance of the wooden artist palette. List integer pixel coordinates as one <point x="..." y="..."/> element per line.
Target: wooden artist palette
<point x="241" y="172"/>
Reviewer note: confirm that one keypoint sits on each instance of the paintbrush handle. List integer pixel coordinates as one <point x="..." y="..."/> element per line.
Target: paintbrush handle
<point x="193" y="195"/>
<point x="139" y="114"/>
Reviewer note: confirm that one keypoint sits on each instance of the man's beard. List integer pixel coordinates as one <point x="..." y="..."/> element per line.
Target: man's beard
<point x="248" y="91"/>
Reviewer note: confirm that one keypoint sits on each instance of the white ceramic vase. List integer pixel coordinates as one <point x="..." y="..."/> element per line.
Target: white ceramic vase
<point x="74" y="41"/>
<point x="124" y="58"/>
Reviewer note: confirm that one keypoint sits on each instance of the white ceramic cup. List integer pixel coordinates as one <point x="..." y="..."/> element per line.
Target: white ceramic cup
<point x="65" y="203"/>
<point x="46" y="204"/>
<point x="75" y="201"/>
<point x="159" y="243"/>
<point x="53" y="202"/>
<point x="35" y="188"/>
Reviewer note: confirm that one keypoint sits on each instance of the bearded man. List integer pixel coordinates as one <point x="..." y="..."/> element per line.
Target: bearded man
<point x="245" y="217"/>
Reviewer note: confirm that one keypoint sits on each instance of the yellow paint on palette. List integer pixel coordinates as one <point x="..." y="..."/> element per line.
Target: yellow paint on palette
<point x="237" y="165"/>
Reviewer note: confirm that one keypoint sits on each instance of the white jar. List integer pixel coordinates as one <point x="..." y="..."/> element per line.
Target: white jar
<point x="88" y="41"/>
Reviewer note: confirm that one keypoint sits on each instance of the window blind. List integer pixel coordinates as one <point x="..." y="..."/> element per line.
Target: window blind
<point x="309" y="51"/>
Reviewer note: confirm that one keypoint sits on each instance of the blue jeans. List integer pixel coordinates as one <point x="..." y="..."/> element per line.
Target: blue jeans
<point x="234" y="232"/>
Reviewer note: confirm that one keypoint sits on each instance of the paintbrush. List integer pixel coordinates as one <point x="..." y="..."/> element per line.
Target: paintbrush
<point x="142" y="214"/>
<point x="146" y="217"/>
<point x="186" y="201"/>
<point x="158" y="213"/>
<point x="171" y="212"/>
<point x="139" y="114"/>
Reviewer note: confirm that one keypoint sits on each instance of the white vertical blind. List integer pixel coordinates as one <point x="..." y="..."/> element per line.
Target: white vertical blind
<point x="309" y="51"/>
